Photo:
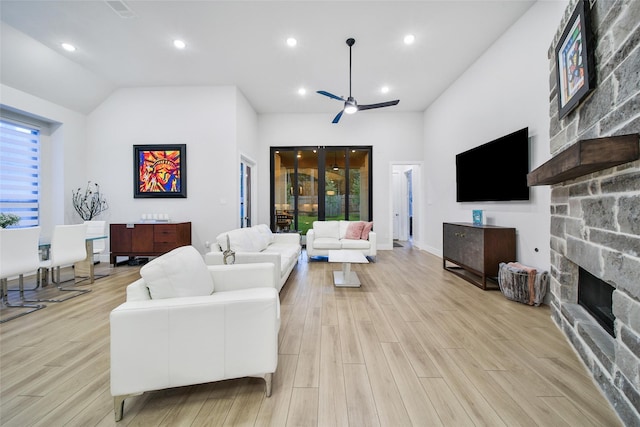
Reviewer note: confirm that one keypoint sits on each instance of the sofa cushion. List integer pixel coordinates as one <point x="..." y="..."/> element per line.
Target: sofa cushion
<point x="355" y="244"/>
<point x="328" y="229"/>
<point x="368" y="226"/>
<point x="179" y="273"/>
<point x="344" y="225"/>
<point x="327" y="243"/>
<point x="354" y="230"/>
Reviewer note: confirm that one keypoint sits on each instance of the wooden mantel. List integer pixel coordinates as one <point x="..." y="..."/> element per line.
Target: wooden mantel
<point x="585" y="157"/>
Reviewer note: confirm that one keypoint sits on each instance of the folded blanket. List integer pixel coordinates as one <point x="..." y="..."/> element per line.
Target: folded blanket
<point x="531" y="272"/>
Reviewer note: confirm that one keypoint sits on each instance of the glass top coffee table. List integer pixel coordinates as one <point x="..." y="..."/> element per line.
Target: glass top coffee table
<point x="346" y="277"/>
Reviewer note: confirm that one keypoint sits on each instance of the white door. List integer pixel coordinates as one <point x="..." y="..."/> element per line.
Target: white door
<point x="397" y="203"/>
<point x="247" y="192"/>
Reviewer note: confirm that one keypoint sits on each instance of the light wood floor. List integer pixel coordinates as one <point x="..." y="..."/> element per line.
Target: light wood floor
<point x="415" y="345"/>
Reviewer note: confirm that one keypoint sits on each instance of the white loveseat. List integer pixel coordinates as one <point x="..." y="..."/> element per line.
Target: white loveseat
<point x="188" y="323"/>
<point x="329" y="235"/>
<point x="259" y="244"/>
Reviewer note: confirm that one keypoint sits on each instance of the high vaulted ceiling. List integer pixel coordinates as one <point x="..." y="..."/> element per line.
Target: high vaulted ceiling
<point x="242" y="43"/>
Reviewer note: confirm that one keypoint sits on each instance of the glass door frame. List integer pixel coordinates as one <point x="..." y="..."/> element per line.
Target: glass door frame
<point x="322" y="168"/>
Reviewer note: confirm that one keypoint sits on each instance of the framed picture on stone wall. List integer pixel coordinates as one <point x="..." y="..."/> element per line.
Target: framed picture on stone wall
<point x="575" y="69"/>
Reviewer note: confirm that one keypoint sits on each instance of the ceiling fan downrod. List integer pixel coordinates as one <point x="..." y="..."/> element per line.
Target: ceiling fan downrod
<point x="350" y="42"/>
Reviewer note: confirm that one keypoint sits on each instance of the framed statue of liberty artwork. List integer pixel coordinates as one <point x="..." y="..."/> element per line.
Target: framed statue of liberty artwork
<point x="160" y="171"/>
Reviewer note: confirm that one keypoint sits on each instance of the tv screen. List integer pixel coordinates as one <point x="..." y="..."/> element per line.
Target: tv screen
<point x="495" y="171"/>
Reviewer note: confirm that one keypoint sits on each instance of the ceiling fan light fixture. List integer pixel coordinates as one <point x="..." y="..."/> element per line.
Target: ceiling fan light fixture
<point x="350" y="106"/>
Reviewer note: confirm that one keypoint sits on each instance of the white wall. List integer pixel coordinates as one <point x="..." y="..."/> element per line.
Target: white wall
<point x="249" y="151"/>
<point x="393" y="136"/>
<point x="505" y="90"/>
<point x="62" y="157"/>
<point x="204" y="118"/>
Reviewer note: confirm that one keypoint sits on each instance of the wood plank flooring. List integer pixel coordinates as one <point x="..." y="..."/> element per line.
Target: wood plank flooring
<point x="415" y="345"/>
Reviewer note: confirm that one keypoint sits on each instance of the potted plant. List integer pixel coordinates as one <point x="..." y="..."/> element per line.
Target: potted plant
<point x="7" y="220"/>
<point x="89" y="203"/>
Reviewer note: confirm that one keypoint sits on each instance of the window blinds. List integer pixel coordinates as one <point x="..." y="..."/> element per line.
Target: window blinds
<point x="19" y="171"/>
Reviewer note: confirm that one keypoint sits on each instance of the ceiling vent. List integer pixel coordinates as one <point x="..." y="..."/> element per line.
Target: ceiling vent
<point x="120" y="8"/>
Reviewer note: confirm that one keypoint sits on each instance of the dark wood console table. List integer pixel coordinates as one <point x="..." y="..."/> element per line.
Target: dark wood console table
<point x="148" y="239"/>
<point x="477" y="251"/>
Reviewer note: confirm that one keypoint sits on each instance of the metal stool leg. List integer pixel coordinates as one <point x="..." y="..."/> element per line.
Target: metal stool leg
<point x="7" y="304"/>
<point x="44" y="277"/>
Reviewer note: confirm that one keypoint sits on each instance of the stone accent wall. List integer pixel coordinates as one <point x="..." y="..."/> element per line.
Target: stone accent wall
<point x="595" y="219"/>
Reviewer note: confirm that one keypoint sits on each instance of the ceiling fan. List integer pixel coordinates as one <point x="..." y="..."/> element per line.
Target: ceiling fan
<point x="350" y="104"/>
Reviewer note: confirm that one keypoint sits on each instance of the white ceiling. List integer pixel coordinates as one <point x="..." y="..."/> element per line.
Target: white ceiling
<point x="242" y="43"/>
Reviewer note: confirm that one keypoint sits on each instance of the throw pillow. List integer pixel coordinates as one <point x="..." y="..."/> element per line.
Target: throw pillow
<point x="179" y="273"/>
<point x="238" y="239"/>
<point x="266" y="232"/>
<point x="354" y="230"/>
<point x="258" y="241"/>
<point x="366" y="229"/>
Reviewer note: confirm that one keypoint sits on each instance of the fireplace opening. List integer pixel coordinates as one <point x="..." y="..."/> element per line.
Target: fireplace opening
<point x="595" y="295"/>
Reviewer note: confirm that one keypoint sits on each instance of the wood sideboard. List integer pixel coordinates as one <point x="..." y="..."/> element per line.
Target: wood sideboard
<point x="477" y="251"/>
<point x="133" y="240"/>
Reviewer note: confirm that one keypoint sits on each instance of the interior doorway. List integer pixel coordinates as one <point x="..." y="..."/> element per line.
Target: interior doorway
<point x="247" y="192"/>
<point x="405" y="190"/>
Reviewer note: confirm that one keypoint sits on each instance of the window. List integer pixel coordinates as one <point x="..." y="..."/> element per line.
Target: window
<point x="319" y="183"/>
<point x="20" y="171"/>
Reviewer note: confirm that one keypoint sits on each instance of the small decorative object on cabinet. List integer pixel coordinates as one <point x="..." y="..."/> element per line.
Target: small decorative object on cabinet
<point x="148" y="239"/>
<point x="477" y="217"/>
<point x="477" y="251"/>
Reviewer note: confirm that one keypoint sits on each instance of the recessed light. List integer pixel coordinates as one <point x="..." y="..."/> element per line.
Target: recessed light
<point x="409" y="39"/>
<point x="68" y="47"/>
<point x="302" y="91"/>
<point x="384" y="89"/>
<point x="179" y="44"/>
<point x="292" y="42"/>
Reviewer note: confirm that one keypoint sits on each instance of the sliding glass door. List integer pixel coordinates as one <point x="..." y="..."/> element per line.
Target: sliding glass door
<point x="319" y="183"/>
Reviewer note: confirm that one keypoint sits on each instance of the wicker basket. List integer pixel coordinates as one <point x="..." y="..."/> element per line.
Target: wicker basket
<point x="516" y="285"/>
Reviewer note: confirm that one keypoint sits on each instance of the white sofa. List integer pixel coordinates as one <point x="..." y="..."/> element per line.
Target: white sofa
<point x="188" y="323"/>
<point x="328" y="235"/>
<point x="259" y="244"/>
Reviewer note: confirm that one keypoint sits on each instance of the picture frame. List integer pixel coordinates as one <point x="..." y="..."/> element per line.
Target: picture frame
<point x="160" y="171"/>
<point x="575" y="60"/>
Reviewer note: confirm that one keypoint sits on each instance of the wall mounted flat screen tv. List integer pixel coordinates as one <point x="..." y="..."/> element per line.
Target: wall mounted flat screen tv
<point x="495" y="171"/>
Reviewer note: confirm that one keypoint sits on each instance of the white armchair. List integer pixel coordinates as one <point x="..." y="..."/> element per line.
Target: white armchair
<point x="187" y="323"/>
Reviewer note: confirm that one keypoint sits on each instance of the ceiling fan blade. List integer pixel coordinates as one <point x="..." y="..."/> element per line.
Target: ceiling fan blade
<point x="330" y="95"/>
<point x="337" y="118"/>
<point x="380" y="105"/>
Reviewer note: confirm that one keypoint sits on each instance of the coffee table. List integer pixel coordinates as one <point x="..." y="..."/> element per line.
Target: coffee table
<point x="346" y="277"/>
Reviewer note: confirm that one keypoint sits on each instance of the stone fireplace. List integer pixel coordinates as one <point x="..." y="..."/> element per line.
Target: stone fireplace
<point x="595" y="218"/>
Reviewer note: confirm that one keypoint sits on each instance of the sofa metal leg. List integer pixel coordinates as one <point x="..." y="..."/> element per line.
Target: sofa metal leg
<point x="118" y="406"/>
<point x="268" y="378"/>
